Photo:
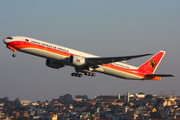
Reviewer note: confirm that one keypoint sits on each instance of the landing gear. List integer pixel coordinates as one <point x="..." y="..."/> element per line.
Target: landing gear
<point x="93" y="74"/>
<point x="76" y="75"/>
<point x="86" y="72"/>
<point x="13" y="55"/>
<point x="90" y="74"/>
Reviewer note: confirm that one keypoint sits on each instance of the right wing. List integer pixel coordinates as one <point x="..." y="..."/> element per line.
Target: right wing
<point x="104" y="60"/>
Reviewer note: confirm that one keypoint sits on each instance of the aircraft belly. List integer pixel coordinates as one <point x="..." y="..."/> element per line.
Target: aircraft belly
<point x="43" y="53"/>
<point x="120" y="74"/>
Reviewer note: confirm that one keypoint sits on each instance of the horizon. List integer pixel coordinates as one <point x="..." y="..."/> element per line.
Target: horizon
<point x="88" y="97"/>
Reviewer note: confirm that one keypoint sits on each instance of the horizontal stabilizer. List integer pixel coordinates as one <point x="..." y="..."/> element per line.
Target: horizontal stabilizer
<point x="160" y="75"/>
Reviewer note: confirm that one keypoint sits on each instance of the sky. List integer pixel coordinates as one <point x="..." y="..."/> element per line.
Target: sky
<point x="104" y="28"/>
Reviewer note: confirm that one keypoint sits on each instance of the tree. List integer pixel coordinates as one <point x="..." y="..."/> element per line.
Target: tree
<point x="136" y="105"/>
<point x="23" y="118"/>
<point x="82" y="96"/>
<point x="47" y="101"/>
<point x="160" y="100"/>
<point x="111" y="106"/>
<point x="117" y="107"/>
<point x="156" y="115"/>
<point x="103" y="115"/>
<point x="97" y="103"/>
<point x="18" y="109"/>
<point x="149" y="96"/>
<point x="38" y="101"/>
<point x="92" y="111"/>
<point x="5" y="99"/>
<point x="65" y="98"/>
<point x="178" y="104"/>
<point x="61" y="99"/>
<point x="127" y="104"/>
<point x="17" y="102"/>
<point x="68" y="97"/>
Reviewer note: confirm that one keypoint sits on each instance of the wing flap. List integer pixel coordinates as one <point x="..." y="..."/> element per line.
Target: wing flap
<point x="160" y="75"/>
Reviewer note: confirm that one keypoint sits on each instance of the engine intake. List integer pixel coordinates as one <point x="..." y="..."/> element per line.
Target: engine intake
<point x="54" y="64"/>
<point x="77" y="61"/>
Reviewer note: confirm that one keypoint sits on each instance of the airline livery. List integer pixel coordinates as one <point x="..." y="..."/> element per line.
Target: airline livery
<point x="58" y="56"/>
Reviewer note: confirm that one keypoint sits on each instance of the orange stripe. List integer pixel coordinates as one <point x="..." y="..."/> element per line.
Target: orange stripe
<point x="18" y="45"/>
<point x="130" y="71"/>
<point x="10" y="47"/>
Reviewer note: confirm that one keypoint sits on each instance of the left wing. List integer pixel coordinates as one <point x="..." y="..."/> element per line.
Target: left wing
<point x="104" y="60"/>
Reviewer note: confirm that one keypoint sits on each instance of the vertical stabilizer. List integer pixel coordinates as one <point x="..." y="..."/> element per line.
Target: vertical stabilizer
<point x="151" y="65"/>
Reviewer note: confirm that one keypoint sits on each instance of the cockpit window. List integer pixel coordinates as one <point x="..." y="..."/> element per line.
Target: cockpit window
<point x="9" y="38"/>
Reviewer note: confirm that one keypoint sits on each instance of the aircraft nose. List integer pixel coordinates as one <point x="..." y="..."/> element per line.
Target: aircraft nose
<point x="8" y="39"/>
<point x="5" y="41"/>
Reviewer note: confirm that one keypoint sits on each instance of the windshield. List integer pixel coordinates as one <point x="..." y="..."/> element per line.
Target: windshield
<point x="9" y="38"/>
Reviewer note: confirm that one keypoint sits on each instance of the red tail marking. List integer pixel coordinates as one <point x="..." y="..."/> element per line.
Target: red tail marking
<point x="150" y="66"/>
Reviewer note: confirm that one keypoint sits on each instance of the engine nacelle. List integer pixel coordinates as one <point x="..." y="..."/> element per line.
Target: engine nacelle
<point x="54" y="64"/>
<point x="77" y="61"/>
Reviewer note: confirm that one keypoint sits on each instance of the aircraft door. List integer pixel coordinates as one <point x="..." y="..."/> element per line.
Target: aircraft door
<point x="22" y="41"/>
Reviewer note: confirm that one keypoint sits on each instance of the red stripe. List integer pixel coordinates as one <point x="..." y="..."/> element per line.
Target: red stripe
<point x="21" y="44"/>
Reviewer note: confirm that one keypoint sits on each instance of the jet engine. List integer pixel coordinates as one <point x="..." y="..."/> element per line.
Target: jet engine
<point x="54" y="64"/>
<point x="77" y="61"/>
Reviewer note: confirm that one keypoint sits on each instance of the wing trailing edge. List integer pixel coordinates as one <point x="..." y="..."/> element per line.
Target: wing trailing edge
<point x="160" y="75"/>
<point x="104" y="60"/>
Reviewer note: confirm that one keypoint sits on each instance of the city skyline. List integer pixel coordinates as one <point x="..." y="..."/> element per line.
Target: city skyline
<point x="108" y="28"/>
<point x="118" y="95"/>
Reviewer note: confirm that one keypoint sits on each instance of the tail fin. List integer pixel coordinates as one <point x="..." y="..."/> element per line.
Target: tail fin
<point x="151" y="65"/>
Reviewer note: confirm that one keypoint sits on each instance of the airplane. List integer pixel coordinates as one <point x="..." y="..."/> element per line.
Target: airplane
<point x="58" y="57"/>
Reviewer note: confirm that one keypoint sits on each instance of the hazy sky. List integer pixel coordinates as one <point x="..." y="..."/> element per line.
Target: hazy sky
<point x="104" y="28"/>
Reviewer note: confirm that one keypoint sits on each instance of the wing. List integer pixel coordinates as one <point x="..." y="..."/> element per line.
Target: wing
<point x="104" y="60"/>
<point x="160" y="75"/>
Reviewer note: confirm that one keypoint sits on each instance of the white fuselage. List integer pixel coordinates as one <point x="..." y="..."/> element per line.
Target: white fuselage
<point x="60" y="53"/>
